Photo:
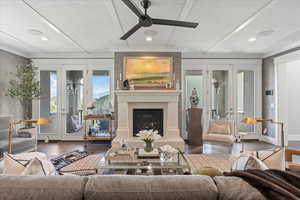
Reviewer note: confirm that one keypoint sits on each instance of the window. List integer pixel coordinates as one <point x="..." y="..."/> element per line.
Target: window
<point x="53" y="92"/>
<point x="101" y="91"/>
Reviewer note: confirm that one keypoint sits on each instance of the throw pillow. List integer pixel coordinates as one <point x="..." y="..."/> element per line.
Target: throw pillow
<point x="248" y="162"/>
<point x="16" y="164"/>
<point x="12" y="165"/>
<point x="35" y="167"/>
<point x="208" y="171"/>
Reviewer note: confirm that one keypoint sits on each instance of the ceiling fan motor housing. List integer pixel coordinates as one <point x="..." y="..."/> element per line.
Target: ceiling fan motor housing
<point x="145" y="21"/>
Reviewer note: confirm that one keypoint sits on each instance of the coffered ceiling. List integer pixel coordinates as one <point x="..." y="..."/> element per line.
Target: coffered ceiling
<point x="94" y="26"/>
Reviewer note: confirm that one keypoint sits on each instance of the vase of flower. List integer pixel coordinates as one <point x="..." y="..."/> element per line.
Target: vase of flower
<point x="148" y="136"/>
<point x="148" y="147"/>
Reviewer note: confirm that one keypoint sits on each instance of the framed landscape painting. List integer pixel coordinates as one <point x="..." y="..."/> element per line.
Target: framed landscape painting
<point x="148" y="72"/>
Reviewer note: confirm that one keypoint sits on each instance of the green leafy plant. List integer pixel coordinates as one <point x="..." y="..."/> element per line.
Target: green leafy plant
<point x="25" y="87"/>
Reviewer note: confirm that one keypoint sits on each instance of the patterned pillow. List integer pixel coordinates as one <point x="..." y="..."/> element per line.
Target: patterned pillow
<point x="34" y="167"/>
<point x="12" y="165"/>
<point x="29" y="165"/>
<point x="248" y="162"/>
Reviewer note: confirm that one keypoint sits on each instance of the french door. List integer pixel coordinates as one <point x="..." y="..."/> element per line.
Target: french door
<point x="229" y="92"/>
<point x="66" y="92"/>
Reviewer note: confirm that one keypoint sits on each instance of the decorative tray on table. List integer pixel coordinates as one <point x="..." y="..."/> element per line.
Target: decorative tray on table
<point x="142" y="154"/>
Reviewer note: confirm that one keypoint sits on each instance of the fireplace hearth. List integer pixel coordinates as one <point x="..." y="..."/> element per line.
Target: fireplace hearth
<point x="147" y="119"/>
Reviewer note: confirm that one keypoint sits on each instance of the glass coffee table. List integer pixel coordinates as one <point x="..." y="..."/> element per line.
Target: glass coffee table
<point x="130" y="161"/>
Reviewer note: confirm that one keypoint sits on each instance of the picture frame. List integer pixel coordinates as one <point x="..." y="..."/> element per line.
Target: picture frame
<point x="148" y="72"/>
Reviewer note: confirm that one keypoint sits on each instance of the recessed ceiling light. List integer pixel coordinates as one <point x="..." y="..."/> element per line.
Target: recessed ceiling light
<point x="148" y="38"/>
<point x="253" y="39"/>
<point x="44" y="38"/>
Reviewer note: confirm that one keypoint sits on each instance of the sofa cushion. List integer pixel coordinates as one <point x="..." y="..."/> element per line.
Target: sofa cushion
<point x="234" y="188"/>
<point x="150" y="187"/>
<point x="42" y="187"/>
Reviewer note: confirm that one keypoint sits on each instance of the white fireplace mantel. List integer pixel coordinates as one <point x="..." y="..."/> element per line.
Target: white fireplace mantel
<point x="167" y="100"/>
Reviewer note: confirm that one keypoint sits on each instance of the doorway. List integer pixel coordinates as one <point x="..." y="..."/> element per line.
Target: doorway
<point x="66" y="92"/>
<point x="226" y="92"/>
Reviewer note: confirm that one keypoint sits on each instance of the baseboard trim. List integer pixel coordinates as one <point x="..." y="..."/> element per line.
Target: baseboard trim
<point x="294" y="137"/>
<point x="268" y="139"/>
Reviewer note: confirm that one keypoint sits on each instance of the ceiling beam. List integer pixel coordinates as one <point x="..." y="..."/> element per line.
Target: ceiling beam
<point x="187" y="7"/>
<point x="111" y="7"/>
<point x="241" y="26"/>
<point x="55" y="27"/>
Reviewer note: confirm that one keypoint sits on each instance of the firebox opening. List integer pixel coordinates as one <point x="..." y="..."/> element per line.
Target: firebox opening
<point x="146" y="119"/>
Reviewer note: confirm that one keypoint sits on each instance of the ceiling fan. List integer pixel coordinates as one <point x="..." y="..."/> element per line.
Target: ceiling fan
<point x="146" y="21"/>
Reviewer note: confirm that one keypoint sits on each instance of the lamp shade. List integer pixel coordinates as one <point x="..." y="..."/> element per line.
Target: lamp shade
<point x="43" y="121"/>
<point x="250" y="120"/>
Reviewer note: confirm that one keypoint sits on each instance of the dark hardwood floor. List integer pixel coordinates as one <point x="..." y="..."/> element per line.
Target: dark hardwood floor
<point x="57" y="148"/>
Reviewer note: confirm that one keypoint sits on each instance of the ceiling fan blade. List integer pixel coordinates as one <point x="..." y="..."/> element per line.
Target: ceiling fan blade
<point x="130" y="32"/>
<point x="133" y="8"/>
<point x="174" y="23"/>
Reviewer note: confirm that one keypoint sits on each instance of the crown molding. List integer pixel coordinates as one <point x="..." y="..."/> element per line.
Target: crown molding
<point x="14" y="51"/>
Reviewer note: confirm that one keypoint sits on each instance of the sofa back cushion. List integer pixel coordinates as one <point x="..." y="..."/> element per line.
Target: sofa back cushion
<point x="42" y="187"/>
<point x="150" y="187"/>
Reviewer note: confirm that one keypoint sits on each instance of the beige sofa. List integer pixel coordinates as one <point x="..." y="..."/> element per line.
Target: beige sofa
<point x="126" y="188"/>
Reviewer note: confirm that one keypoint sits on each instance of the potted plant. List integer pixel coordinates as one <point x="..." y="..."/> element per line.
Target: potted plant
<point x="25" y="87"/>
<point x="148" y="136"/>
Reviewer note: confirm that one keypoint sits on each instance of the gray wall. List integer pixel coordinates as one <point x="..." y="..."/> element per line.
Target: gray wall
<point x="8" y="63"/>
<point x="119" y="58"/>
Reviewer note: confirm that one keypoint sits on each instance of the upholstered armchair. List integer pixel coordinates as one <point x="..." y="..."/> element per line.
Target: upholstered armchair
<point x="220" y="131"/>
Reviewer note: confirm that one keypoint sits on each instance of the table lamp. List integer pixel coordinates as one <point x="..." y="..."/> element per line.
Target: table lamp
<point x="260" y="120"/>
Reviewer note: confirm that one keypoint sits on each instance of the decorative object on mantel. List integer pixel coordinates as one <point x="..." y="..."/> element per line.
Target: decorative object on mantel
<point x="194" y="98"/>
<point x="131" y="87"/>
<point x="126" y="85"/>
<point x="148" y="136"/>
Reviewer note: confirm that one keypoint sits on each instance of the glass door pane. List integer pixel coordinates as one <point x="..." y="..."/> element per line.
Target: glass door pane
<point x="74" y="97"/>
<point x="245" y="99"/>
<point x="220" y="95"/>
<point x="194" y="84"/>
<point x="49" y="101"/>
<point x="194" y="81"/>
<point x="102" y="100"/>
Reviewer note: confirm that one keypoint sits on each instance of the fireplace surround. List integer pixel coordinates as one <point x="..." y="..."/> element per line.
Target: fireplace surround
<point x="165" y="100"/>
